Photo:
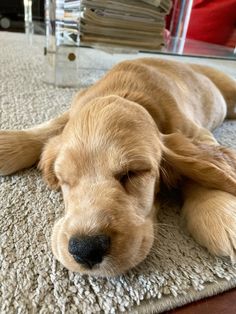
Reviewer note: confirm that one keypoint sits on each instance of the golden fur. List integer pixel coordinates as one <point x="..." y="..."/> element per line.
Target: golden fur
<point x="146" y="122"/>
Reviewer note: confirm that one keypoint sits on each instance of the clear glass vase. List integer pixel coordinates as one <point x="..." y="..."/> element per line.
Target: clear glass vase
<point x="179" y="25"/>
<point x="62" y="18"/>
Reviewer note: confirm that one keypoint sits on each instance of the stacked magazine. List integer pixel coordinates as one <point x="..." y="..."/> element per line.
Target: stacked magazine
<point x="129" y="23"/>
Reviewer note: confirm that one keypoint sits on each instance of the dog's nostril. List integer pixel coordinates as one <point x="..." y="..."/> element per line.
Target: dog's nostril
<point x="89" y="250"/>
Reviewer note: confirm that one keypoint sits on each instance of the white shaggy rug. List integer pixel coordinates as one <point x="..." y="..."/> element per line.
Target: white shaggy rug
<point x="176" y="272"/>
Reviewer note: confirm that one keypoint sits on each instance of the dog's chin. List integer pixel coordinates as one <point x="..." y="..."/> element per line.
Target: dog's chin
<point x="114" y="264"/>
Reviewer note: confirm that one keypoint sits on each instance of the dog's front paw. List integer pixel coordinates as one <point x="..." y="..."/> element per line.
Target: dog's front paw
<point x="211" y="220"/>
<point x="18" y="150"/>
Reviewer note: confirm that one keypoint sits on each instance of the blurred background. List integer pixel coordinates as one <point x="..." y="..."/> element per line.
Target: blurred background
<point x="211" y="21"/>
<point x="12" y="15"/>
<point x="207" y="26"/>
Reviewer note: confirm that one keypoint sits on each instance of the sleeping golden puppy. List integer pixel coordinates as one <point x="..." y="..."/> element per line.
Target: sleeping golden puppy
<point x="146" y="122"/>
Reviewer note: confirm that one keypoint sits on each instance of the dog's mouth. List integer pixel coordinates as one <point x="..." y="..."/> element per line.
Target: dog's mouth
<point x="108" y="252"/>
<point x="101" y="254"/>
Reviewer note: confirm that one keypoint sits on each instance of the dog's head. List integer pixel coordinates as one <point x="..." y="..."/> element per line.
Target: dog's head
<point x="109" y="161"/>
<point x="106" y="162"/>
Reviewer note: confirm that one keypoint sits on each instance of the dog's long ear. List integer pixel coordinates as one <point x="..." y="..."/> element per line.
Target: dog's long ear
<point x="212" y="166"/>
<point x="47" y="160"/>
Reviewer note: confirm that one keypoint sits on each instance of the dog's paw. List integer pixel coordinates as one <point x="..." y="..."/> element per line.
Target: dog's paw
<point x="18" y="150"/>
<point x="211" y="220"/>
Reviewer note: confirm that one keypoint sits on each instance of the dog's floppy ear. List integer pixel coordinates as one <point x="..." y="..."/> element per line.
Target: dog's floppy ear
<point x="212" y="166"/>
<point x="47" y="160"/>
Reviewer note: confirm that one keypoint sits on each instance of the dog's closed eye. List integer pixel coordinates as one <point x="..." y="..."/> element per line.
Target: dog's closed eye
<point x="123" y="177"/>
<point x="130" y="175"/>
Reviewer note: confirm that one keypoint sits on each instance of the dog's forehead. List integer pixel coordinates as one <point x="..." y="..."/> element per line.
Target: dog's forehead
<point x="108" y="135"/>
<point x="111" y="114"/>
<point x="102" y="152"/>
<point x="123" y="137"/>
<point x="98" y="156"/>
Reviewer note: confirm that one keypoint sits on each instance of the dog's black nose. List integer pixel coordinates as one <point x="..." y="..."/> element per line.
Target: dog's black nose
<point x="89" y="250"/>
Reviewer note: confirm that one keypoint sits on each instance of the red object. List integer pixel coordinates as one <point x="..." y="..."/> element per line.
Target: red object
<point x="213" y="21"/>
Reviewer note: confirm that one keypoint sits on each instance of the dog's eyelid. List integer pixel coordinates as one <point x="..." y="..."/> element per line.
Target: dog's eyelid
<point x="120" y="176"/>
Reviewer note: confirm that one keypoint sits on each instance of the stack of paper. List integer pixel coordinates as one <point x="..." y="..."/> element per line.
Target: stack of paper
<point x="132" y="23"/>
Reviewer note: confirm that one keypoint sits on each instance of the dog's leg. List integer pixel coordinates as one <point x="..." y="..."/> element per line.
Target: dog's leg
<point x="210" y="214"/>
<point x="21" y="149"/>
<point x="210" y="217"/>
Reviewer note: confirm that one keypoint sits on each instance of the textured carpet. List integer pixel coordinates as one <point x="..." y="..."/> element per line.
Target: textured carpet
<point x="177" y="271"/>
